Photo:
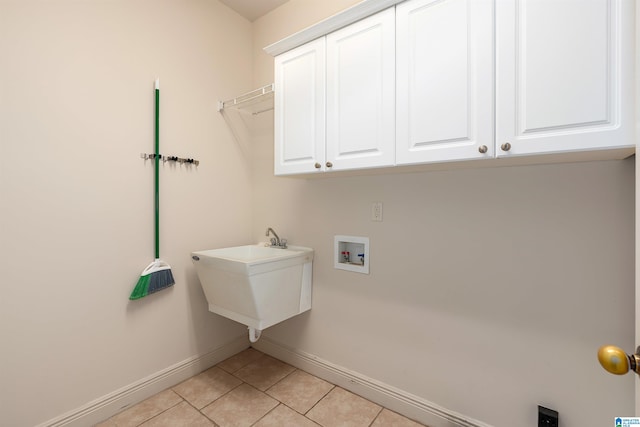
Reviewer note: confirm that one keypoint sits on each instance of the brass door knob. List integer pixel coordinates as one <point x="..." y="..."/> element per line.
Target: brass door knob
<point x="614" y="360"/>
<point x="482" y="149"/>
<point x="318" y="165"/>
<point x="506" y="146"/>
<point x="329" y="164"/>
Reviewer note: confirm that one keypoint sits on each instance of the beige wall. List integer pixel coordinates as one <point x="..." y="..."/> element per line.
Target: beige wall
<point x="489" y="293"/>
<point x="76" y="200"/>
<point x="490" y="290"/>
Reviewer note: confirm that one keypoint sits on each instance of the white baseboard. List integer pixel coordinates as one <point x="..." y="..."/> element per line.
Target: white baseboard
<point x="115" y="402"/>
<point x="397" y="400"/>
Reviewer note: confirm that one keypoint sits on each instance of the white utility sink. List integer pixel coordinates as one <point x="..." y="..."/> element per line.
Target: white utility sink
<point x="256" y="285"/>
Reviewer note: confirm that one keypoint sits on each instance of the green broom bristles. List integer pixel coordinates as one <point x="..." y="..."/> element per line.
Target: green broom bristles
<point x="155" y="277"/>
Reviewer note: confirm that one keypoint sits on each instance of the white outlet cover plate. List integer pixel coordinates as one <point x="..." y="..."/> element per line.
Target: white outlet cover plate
<point x="376" y="211"/>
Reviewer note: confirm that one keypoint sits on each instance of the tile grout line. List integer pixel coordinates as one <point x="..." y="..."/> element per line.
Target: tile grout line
<point x="199" y="411"/>
<point x="320" y="400"/>
<point x="217" y="398"/>
<point x="373" y="421"/>
<point x="293" y="409"/>
<point x="163" y="411"/>
<point x="279" y="381"/>
<point x="313" y="406"/>
<point x="270" y="411"/>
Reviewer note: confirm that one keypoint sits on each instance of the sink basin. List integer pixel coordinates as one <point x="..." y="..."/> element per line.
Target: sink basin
<point x="252" y="259"/>
<point x="256" y="285"/>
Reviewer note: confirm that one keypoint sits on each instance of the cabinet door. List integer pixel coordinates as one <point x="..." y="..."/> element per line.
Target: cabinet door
<point x="361" y="93"/>
<point x="445" y="80"/>
<point x="564" y="75"/>
<point x="299" y="103"/>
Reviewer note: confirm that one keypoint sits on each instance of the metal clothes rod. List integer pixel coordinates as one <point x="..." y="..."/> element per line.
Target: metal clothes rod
<point x="262" y="111"/>
<point x="257" y="96"/>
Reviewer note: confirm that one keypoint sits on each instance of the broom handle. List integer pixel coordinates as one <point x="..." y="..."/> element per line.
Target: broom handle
<point x="157" y="172"/>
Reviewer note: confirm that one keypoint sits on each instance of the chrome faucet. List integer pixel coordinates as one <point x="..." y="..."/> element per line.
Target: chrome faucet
<point x="275" y="241"/>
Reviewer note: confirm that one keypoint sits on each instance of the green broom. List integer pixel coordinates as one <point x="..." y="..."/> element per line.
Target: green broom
<point x="157" y="275"/>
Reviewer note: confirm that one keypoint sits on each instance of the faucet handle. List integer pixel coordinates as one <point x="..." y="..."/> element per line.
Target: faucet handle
<point x="283" y="243"/>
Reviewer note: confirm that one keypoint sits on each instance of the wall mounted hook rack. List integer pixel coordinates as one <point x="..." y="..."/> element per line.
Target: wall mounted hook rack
<point x="150" y="156"/>
<point x="180" y="160"/>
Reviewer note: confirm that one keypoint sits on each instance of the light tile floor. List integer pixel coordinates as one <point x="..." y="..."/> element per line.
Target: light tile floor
<point x="254" y="389"/>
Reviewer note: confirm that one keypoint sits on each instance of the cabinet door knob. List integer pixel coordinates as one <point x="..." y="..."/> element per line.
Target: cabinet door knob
<point x="318" y="165"/>
<point x="482" y="149"/>
<point x="329" y="164"/>
<point x="506" y="146"/>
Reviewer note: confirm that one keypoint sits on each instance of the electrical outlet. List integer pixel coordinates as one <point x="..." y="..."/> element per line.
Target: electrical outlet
<point x="376" y="211"/>
<point x="547" y="417"/>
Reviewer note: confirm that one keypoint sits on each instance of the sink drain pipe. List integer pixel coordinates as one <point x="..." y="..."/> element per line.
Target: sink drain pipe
<point x="254" y="334"/>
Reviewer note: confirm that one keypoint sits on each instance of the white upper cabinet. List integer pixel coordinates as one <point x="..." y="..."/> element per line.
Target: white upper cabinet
<point x="361" y="94"/>
<point x="300" y="109"/>
<point x="445" y="80"/>
<point x="431" y="81"/>
<point x="564" y="76"/>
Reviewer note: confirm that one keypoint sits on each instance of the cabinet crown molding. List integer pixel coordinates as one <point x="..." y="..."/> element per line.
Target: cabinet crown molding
<point x="333" y="23"/>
